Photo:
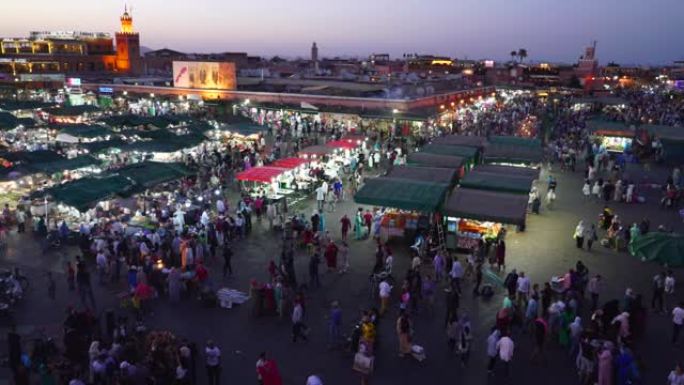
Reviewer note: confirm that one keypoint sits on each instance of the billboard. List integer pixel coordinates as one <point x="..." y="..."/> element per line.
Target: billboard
<point x="204" y="75"/>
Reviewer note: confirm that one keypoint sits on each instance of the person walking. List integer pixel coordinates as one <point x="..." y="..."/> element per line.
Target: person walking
<point x="505" y="347"/>
<point x="590" y="235"/>
<point x="579" y="235"/>
<point x="212" y="355"/>
<point x="334" y="324"/>
<point x="404" y="331"/>
<point x="677" y="321"/>
<point x="345" y="225"/>
<point x="227" y="257"/>
<point x="384" y="291"/>
<point x="85" y="288"/>
<point x="657" y="299"/>
<point x="492" y="349"/>
<point x="456" y="274"/>
<point x="605" y="364"/>
<point x="314" y="261"/>
<point x="51" y="286"/>
<point x="669" y="289"/>
<point x="676" y="377"/>
<point x="594" y="288"/>
<point x="298" y="327"/>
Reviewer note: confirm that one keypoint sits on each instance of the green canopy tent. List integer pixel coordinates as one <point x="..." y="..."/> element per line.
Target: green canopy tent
<point x="491" y="206"/>
<point x="103" y="146"/>
<point x="666" y="249"/>
<point x="149" y="174"/>
<point x="19" y="105"/>
<point x="479" y="180"/>
<point x="479" y="142"/>
<point x="469" y="154"/>
<point x="165" y="143"/>
<point x="532" y="173"/>
<point x="434" y="160"/>
<point x="73" y="133"/>
<point x="32" y="157"/>
<point x="27" y="122"/>
<point x="245" y="128"/>
<point x="402" y="194"/>
<point x="87" y="192"/>
<point x="424" y="174"/>
<point x="72" y="110"/>
<point x="63" y="164"/>
<point x="8" y="121"/>
<point x="512" y="154"/>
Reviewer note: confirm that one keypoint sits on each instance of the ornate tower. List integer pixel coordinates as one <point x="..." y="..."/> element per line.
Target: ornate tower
<point x="128" y="46"/>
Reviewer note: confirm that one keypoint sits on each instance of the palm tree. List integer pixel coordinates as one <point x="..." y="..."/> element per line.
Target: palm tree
<point x="522" y="54"/>
<point x="513" y="55"/>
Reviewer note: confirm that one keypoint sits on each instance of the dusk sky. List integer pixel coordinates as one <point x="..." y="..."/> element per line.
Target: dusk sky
<point x="628" y="31"/>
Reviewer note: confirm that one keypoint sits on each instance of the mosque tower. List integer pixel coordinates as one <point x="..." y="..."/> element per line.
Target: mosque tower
<point x="128" y="46"/>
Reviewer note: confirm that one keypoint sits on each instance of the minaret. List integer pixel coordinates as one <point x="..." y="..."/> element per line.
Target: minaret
<point x="128" y="46"/>
<point x="314" y="56"/>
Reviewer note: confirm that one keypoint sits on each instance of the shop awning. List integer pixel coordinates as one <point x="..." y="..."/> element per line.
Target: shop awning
<point x="530" y="172"/>
<point x="424" y="174"/>
<point x="317" y="150"/>
<point x="64" y="164"/>
<point x="87" y="192"/>
<point x="264" y="174"/>
<point x="469" y="153"/>
<point x="507" y="153"/>
<point x="461" y="140"/>
<point x="479" y="180"/>
<point x="150" y="174"/>
<point x="290" y="163"/>
<point x="101" y="146"/>
<point x="434" y="160"/>
<point x="487" y="206"/>
<point x="167" y="144"/>
<point x="343" y="143"/>
<point x="402" y="194"/>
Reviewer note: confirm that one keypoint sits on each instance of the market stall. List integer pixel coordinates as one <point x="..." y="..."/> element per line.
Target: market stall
<point x="424" y="174"/>
<point x="82" y="133"/>
<point x="478" y="142"/>
<point x="263" y="181"/>
<point x="408" y="202"/>
<point x="612" y="136"/>
<point x="474" y="215"/>
<point x="529" y="172"/>
<point x="470" y="155"/>
<point x="440" y="161"/>
<point x="513" y="155"/>
<point x="492" y="181"/>
<point x="316" y="151"/>
<point x="146" y="175"/>
<point x="664" y="248"/>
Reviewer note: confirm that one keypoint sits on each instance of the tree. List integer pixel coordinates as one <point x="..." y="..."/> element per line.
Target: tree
<point x="513" y="55"/>
<point x="522" y="54"/>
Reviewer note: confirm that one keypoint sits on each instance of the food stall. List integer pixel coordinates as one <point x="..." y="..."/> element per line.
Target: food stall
<point x="71" y="114"/>
<point x="470" y="155"/>
<point x="82" y="133"/>
<point x="300" y="177"/>
<point x="492" y="181"/>
<point x="478" y="142"/>
<point x="434" y="160"/>
<point x="612" y="136"/>
<point x="263" y="181"/>
<point x="424" y="174"/>
<point x="474" y="215"/>
<point x="517" y="152"/>
<point x="408" y="202"/>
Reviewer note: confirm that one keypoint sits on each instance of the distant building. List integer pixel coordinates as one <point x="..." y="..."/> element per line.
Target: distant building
<point x="587" y="65"/>
<point x="72" y="53"/>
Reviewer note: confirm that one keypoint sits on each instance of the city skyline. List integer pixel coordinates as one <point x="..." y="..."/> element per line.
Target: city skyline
<point x="628" y="31"/>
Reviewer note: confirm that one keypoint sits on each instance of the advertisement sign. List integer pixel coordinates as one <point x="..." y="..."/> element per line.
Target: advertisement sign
<point x="42" y="78"/>
<point x="204" y="75"/>
<point x="74" y="82"/>
<point x="106" y="90"/>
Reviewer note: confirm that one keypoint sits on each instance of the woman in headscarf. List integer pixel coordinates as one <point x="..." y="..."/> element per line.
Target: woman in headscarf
<point x="579" y="234"/>
<point x="605" y="365"/>
<point x="566" y="318"/>
<point x="626" y="372"/>
<point x="575" y="336"/>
